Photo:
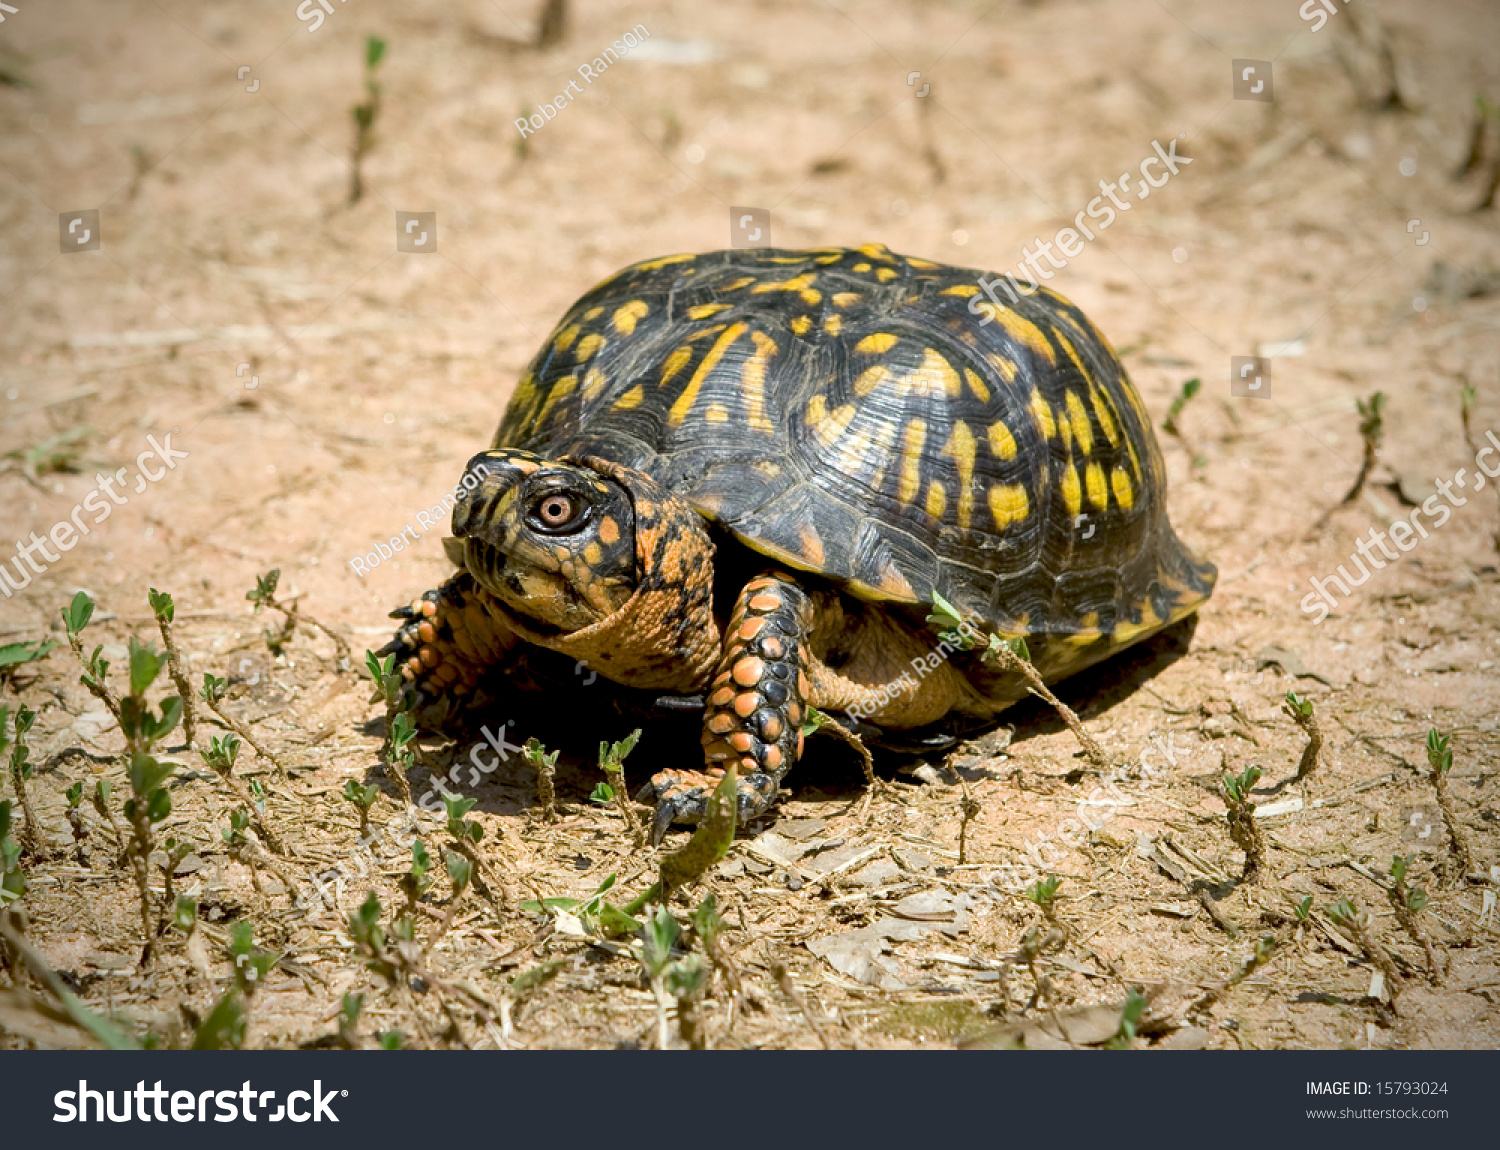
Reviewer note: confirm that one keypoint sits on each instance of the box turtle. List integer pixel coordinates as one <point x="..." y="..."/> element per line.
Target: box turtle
<point x="746" y="474"/>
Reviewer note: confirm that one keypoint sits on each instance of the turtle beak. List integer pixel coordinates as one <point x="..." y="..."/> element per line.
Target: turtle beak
<point x="488" y="478"/>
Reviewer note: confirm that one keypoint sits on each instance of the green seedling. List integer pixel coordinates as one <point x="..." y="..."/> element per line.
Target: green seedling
<point x="1304" y="909"/>
<point x="1300" y="711"/>
<point x="1189" y="389"/>
<point x="465" y="831"/>
<point x="213" y="692"/>
<point x="1130" y="1021"/>
<point x="1372" y="434"/>
<point x="74" y="797"/>
<point x="19" y="763"/>
<point x="602" y="793"/>
<point x="185" y="914"/>
<point x="175" y="852"/>
<point x="220" y="757"/>
<point x="225" y="1026"/>
<point x="612" y="762"/>
<point x="370" y="940"/>
<point x="415" y="883"/>
<point x="951" y="626"/>
<point x="813" y="721"/>
<point x="546" y="771"/>
<point x="460" y="871"/>
<point x="165" y="612"/>
<point x="1440" y="759"/>
<point x="264" y="595"/>
<point x="251" y="963"/>
<point x="1348" y="915"/>
<point x="56" y="455"/>
<point x="1409" y="902"/>
<point x="385" y="678"/>
<point x="350" y="1008"/>
<point x="363" y="799"/>
<point x="597" y="916"/>
<point x="390" y="1039"/>
<point x="365" y="115"/>
<point x="681" y="978"/>
<point x="12" y="880"/>
<point x="1172" y="425"/>
<point x="1243" y="828"/>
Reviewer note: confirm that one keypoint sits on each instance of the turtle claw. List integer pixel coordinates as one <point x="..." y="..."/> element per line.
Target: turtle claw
<point x="683" y="797"/>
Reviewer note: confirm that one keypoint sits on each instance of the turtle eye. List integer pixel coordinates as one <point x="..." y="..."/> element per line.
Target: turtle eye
<point x="557" y="511"/>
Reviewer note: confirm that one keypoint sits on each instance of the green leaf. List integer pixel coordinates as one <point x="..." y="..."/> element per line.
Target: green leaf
<point x="213" y="688"/>
<point x="1304" y="908"/>
<point x="460" y="870"/>
<point x="534" y="976"/>
<point x="224" y="1028"/>
<point x="159" y="805"/>
<point x="602" y="793"/>
<point x="77" y="614"/>
<point x="374" y="50"/>
<point x="145" y="663"/>
<point x="12" y="654"/>
<point x="658" y="937"/>
<point x="350" y="1006"/>
<point x="146" y="774"/>
<point x="161" y="605"/>
<point x="74" y="795"/>
<point x="185" y="914"/>
<point x="390" y="1040"/>
<point x="613" y="920"/>
<point x="534" y="907"/>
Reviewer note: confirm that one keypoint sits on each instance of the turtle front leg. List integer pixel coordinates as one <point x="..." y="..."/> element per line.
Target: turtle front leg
<point x="754" y="710"/>
<point x="446" y="642"/>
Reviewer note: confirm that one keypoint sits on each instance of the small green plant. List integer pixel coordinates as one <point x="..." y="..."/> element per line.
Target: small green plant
<point x="21" y="771"/>
<point x="251" y="963"/>
<point x="1243" y="828"/>
<point x="1300" y="711"/>
<point x="1372" y="433"/>
<point x="546" y="771"/>
<point x="213" y="692"/>
<point x="1440" y="759"/>
<point x="263" y="595"/>
<point x="612" y="762"/>
<point x="386" y="679"/>
<point x="165" y="612"/>
<point x="220" y="757"/>
<point x="1304" y="909"/>
<point x="671" y="977"/>
<point x="415" y="883"/>
<point x="363" y="798"/>
<point x="1348" y="915"/>
<point x="365" y="115"/>
<point x="350" y="1008"/>
<point x="1409" y="902"/>
<point x="74" y="797"/>
<point x="1130" y="1021"/>
<point x="12" y="880"/>
<point x="1189" y="389"/>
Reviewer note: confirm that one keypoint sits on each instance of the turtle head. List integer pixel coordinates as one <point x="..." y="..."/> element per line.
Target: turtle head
<point x="552" y="540"/>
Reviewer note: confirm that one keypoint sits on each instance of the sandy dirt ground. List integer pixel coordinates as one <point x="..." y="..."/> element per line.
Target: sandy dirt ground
<point x="325" y="389"/>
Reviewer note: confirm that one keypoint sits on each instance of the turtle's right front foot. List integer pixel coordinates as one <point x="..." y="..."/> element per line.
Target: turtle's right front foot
<point x="445" y="643"/>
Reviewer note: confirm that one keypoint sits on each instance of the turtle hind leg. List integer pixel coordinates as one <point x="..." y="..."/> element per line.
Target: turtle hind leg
<point x="446" y="642"/>
<point x="754" y="710"/>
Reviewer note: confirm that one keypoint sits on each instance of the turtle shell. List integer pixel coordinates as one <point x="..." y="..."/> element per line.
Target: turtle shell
<point x="876" y="419"/>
